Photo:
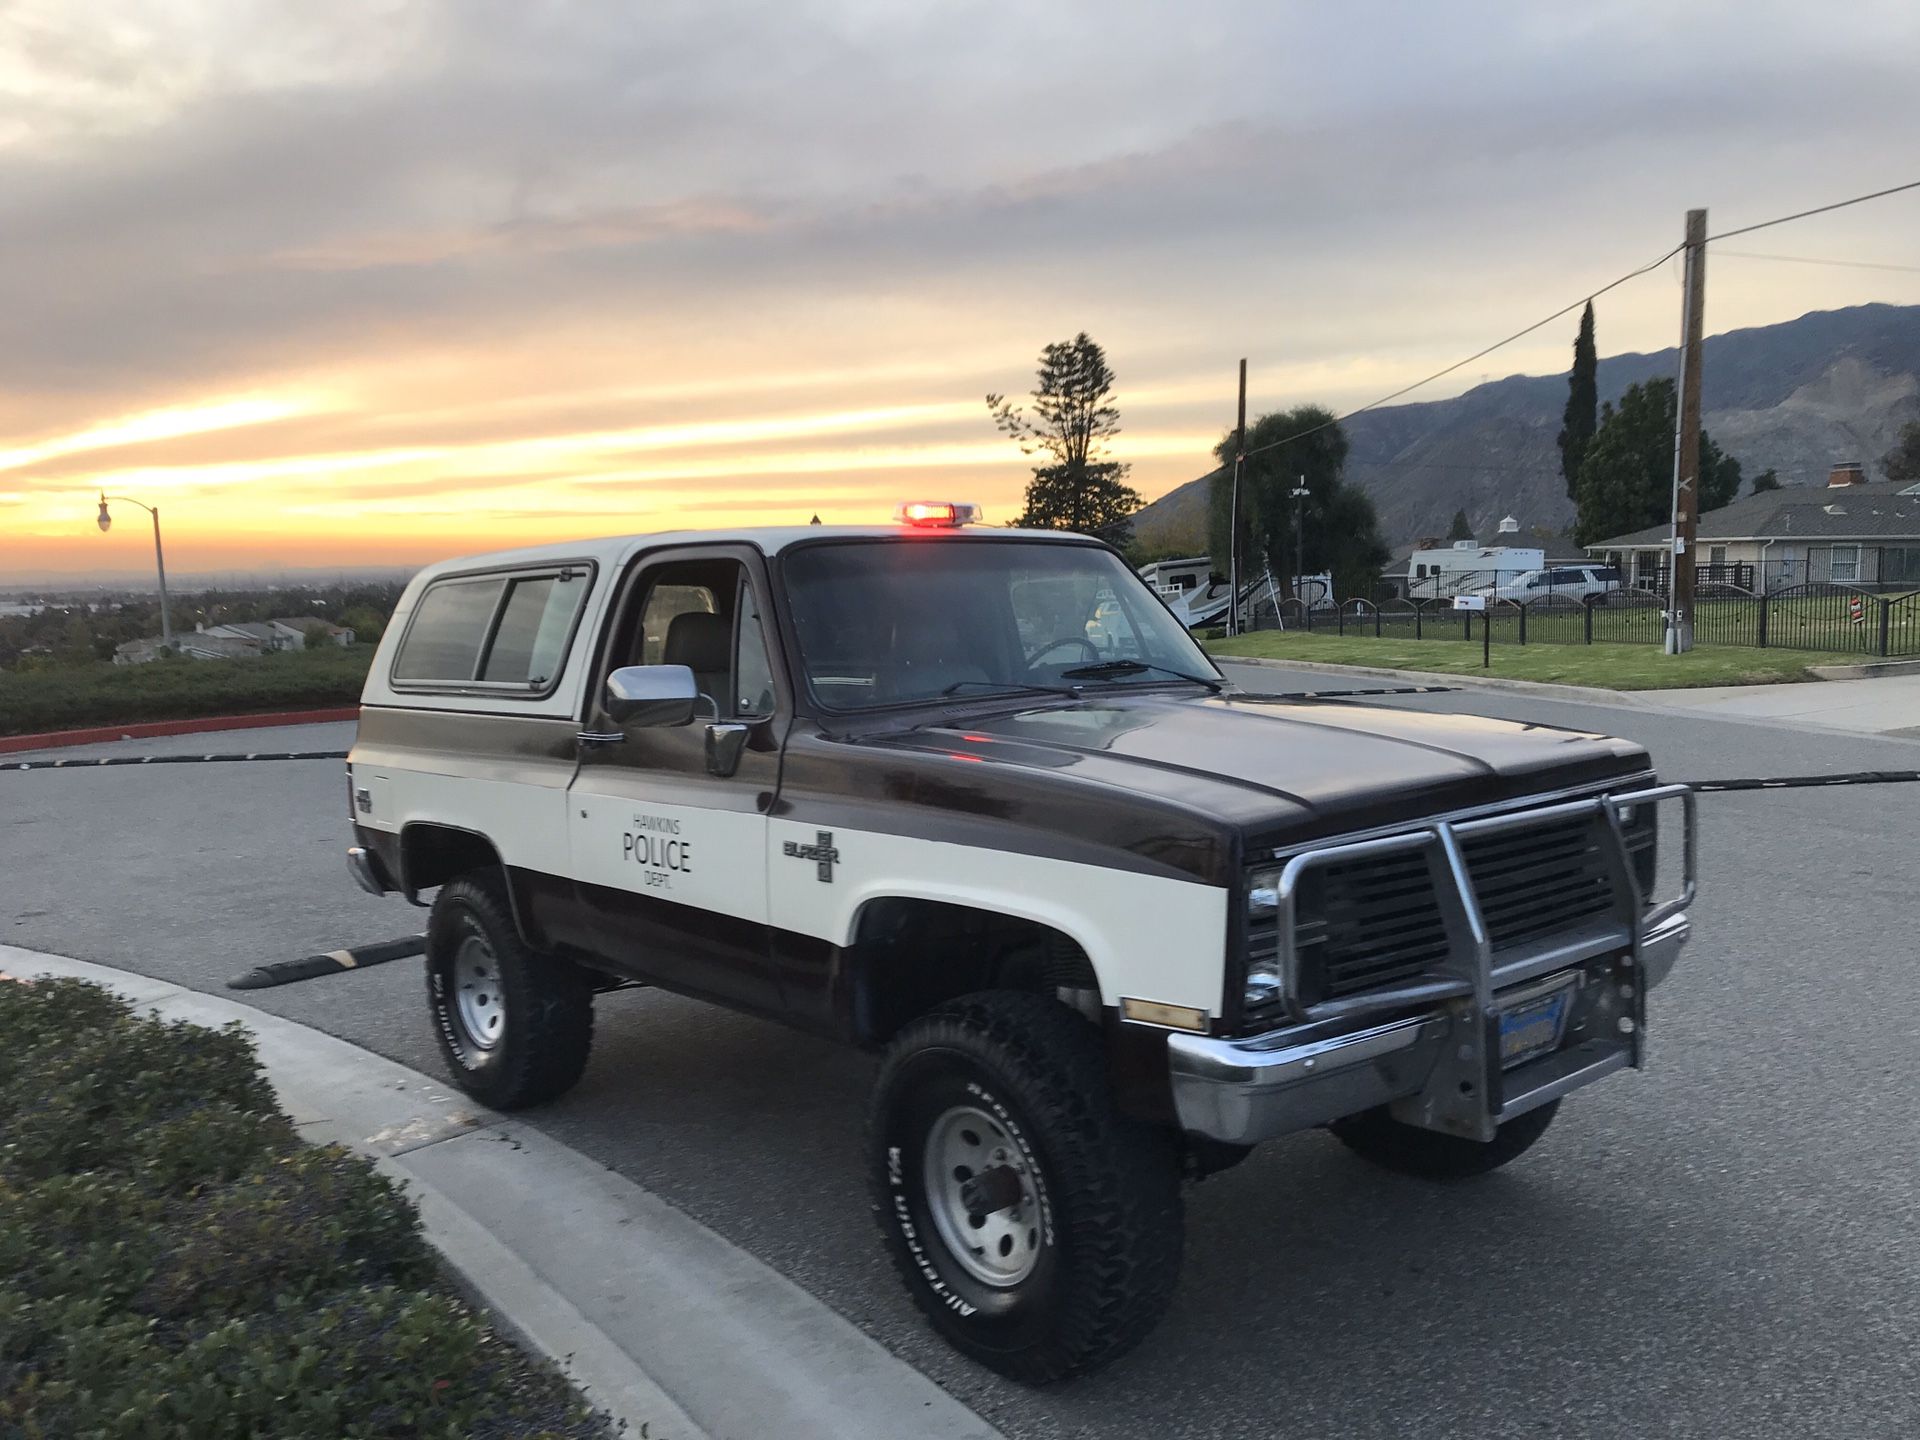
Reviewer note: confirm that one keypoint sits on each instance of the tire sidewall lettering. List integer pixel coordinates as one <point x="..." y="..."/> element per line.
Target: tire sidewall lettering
<point x="460" y="922"/>
<point x="907" y="1202"/>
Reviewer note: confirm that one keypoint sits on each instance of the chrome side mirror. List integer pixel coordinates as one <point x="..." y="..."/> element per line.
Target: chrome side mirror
<point x="651" y="695"/>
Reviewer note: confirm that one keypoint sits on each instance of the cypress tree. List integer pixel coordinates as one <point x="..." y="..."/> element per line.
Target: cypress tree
<point x="1582" y="415"/>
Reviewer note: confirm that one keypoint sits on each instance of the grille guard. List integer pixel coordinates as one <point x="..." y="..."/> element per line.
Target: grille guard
<point x="1470" y="969"/>
<point x="1441" y="1069"/>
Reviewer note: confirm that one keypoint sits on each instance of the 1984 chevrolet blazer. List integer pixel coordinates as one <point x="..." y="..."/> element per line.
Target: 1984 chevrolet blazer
<point x="974" y="799"/>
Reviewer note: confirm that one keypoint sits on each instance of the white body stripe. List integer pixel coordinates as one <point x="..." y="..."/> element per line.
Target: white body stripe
<point x="1148" y="937"/>
<point x="526" y="822"/>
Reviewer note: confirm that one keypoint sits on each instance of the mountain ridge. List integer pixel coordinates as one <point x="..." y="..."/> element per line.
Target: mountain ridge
<point x="1794" y="396"/>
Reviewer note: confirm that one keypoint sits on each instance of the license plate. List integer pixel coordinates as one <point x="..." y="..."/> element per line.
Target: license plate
<point x="1533" y="1027"/>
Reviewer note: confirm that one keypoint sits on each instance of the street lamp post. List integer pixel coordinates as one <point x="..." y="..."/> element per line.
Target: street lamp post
<point x="159" y="557"/>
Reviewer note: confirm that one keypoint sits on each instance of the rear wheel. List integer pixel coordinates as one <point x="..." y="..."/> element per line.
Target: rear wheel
<point x="1428" y="1155"/>
<point x="514" y="1024"/>
<point x="1038" y="1229"/>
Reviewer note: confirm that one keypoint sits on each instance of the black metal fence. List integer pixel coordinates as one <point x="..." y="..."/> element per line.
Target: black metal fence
<point x="1835" y="618"/>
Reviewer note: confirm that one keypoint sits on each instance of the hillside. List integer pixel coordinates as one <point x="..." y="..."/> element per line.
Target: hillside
<point x="1832" y="385"/>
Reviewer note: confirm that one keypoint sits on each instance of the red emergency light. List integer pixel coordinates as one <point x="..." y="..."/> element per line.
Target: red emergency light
<point x="936" y="514"/>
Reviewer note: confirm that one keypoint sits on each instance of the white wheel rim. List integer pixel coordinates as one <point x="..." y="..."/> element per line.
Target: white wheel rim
<point x="476" y="981"/>
<point x="1001" y="1246"/>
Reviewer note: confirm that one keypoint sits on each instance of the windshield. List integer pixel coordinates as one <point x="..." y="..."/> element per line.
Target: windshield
<point x="892" y="622"/>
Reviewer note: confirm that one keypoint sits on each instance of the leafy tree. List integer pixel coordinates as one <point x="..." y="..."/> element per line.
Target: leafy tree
<point x="366" y="622"/>
<point x="1583" y="399"/>
<point x="1902" y="462"/>
<point x="1461" y="529"/>
<point x="1626" y="479"/>
<point x="1766" y="480"/>
<point x="1341" y="530"/>
<point x="1073" y="419"/>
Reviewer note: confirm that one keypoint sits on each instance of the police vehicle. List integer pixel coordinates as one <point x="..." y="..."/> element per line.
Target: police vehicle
<point x="973" y="798"/>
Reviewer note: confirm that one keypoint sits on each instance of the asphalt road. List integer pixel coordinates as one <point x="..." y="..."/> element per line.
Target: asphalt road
<point x="1722" y="1245"/>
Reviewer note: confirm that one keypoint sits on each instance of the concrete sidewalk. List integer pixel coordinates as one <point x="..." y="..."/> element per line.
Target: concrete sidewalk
<point x="674" y="1331"/>
<point x="1887" y="705"/>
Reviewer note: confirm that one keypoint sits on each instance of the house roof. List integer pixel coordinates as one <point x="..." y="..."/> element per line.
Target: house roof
<point x="304" y="623"/>
<point x="1882" y="510"/>
<point x="246" y="629"/>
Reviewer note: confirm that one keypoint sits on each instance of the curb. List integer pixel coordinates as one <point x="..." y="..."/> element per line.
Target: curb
<point x="1422" y="677"/>
<point x="679" y="1334"/>
<point x="1870" y="670"/>
<point x="151" y="729"/>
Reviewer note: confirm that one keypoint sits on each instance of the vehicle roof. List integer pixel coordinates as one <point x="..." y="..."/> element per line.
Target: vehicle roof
<point x="769" y="540"/>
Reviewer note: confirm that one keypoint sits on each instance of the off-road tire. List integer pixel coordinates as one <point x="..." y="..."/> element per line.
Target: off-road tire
<point x="546" y="1002"/>
<point x="1107" y="1188"/>
<point x="1428" y="1155"/>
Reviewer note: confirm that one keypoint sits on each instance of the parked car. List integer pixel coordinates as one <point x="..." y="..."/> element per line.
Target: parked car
<point x="974" y="800"/>
<point x="1575" y="582"/>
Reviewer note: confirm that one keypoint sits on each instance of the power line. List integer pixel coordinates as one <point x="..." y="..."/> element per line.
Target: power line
<point x="1816" y="260"/>
<point x="1457" y="365"/>
<point x="1549" y="319"/>
<point x="1477" y="355"/>
<point x="1817" y="210"/>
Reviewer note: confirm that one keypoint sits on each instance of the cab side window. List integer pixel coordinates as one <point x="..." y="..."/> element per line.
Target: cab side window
<point x="703" y="614"/>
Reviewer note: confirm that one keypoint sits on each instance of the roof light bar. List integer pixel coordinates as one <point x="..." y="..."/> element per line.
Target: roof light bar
<point x="937" y="514"/>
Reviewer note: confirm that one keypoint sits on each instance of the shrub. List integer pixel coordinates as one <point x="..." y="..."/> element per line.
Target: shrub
<point x="175" y="1264"/>
<point x="74" y="697"/>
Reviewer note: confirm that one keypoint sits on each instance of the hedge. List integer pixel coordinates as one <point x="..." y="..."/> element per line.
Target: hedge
<point x="176" y="1264"/>
<point x="75" y="697"/>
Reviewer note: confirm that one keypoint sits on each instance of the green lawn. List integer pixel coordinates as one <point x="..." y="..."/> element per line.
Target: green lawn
<point x="1612" y="667"/>
<point x="78" y="696"/>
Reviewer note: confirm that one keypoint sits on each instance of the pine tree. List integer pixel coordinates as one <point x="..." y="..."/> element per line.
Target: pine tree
<point x="1073" y="419"/>
<point x="1583" y="402"/>
<point x="1462" y="528"/>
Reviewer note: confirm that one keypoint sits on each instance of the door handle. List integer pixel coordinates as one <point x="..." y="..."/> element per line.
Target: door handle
<point x="601" y="737"/>
<point x="725" y="741"/>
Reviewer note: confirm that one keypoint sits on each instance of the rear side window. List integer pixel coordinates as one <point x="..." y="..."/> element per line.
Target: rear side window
<point x="531" y="639"/>
<point x="504" y="630"/>
<point x="449" y="630"/>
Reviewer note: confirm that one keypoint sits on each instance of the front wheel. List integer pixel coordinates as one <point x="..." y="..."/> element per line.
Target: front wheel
<point x="1428" y="1155"/>
<point x="1038" y="1229"/>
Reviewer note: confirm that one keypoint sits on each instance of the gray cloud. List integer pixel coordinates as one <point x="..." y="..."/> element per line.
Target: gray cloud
<point x="1340" y="176"/>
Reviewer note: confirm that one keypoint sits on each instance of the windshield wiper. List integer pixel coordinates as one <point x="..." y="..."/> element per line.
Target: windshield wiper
<point x="1015" y="687"/>
<point x="1135" y="667"/>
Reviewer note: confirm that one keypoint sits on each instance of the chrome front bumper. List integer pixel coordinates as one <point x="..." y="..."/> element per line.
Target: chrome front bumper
<point x="1440" y="1067"/>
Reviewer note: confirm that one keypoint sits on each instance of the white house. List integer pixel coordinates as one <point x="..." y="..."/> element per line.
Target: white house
<point x="1849" y="532"/>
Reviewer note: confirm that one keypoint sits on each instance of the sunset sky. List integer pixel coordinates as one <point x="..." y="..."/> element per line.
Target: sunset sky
<point x="383" y="282"/>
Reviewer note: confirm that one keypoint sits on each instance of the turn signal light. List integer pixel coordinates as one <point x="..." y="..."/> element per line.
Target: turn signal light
<point x="938" y="514"/>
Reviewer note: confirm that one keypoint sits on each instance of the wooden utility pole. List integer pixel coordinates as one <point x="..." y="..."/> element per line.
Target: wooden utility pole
<point x="1686" y="447"/>
<point x="1233" y="510"/>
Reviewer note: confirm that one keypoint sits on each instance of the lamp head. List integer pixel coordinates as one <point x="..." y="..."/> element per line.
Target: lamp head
<point x="106" y="520"/>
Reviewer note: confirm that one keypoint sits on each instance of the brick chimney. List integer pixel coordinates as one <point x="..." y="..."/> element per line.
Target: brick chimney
<point x="1844" y="473"/>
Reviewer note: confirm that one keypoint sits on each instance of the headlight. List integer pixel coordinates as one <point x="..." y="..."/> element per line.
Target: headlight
<point x="1263" y="947"/>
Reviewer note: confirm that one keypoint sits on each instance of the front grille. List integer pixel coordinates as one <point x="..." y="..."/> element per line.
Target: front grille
<point x="1367" y="924"/>
<point x="1538" y="881"/>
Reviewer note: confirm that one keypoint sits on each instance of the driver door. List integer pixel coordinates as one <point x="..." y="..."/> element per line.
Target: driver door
<point x="668" y="824"/>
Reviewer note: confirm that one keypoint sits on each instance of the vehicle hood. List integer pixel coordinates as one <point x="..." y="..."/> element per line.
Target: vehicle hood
<point x="1285" y="771"/>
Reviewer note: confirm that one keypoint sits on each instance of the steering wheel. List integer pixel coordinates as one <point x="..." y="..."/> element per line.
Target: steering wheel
<point x="1093" y="651"/>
